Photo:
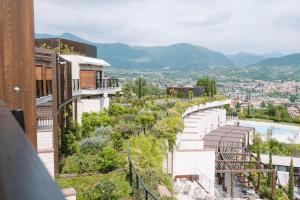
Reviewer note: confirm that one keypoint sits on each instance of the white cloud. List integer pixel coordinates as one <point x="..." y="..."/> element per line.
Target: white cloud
<point x="225" y="25"/>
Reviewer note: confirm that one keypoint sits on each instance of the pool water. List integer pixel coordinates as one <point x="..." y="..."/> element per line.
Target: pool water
<point x="280" y="131"/>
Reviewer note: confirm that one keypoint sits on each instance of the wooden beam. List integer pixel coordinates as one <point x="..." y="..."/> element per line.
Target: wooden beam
<point x="17" y="68"/>
<point x="244" y="170"/>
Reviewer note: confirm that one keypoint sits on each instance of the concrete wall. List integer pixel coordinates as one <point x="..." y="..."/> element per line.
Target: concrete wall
<point x="45" y="149"/>
<point x="91" y="105"/>
<point x="69" y="193"/>
<point x="193" y="162"/>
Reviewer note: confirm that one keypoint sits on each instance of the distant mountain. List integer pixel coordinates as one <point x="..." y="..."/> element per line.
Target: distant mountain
<point x="180" y="56"/>
<point x="288" y="60"/>
<point x="272" y="54"/>
<point x="243" y="58"/>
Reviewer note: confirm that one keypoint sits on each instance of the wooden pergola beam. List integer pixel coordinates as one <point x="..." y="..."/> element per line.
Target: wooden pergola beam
<point x="239" y="171"/>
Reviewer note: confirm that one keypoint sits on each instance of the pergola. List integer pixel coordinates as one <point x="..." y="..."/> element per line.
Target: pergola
<point x="233" y="159"/>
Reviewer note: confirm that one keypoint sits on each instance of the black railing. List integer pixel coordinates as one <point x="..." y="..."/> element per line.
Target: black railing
<point x="22" y="174"/>
<point x="44" y="116"/>
<point x="137" y="184"/>
<point x="108" y="83"/>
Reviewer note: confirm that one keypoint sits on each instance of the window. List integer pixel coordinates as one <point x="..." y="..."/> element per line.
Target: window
<point x="98" y="79"/>
<point x="39" y="88"/>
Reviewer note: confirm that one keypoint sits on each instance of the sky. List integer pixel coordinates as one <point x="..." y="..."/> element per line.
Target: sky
<point x="228" y="26"/>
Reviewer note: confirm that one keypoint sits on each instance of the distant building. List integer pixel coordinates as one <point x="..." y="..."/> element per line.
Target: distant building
<point x="184" y="91"/>
<point x="78" y="47"/>
<point x="293" y="111"/>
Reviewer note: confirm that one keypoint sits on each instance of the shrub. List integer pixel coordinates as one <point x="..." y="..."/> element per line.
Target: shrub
<point x="103" y="131"/>
<point x="69" y="139"/>
<point x="147" y="151"/>
<point x="117" y="109"/>
<point x="90" y="121"/>
<point x="109" y="159"/>
<point x="118" y="141"/>
<point x="104" y="189"/>
<point x="126" y="129"/>
<point x="69" y="144"/>
<point x="79" y="164"/>
<point x="85" y="186"/>
<point x="94" y="144"/>
<point x="168" y="128"/>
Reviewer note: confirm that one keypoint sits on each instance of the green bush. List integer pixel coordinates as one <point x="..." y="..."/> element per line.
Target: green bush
<point x="127" y="129"/>
<point x="85" y="186"/>
<point x="94" y="144"/>
<point x="90" y="121"/>
<point x="118" y="141"/>
<point x="168" y="128"/>
<point x="79" y="164"/>
<point x="103" y="131"/>
<point x="69" y="139"/>
<point x="147" y="151"/>
<point x="108" y="160"/>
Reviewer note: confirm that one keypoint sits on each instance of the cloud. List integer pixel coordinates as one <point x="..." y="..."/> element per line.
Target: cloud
<point x="225" y="25"/>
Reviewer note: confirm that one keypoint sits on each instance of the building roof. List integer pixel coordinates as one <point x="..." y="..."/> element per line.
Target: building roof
<point x="280" y="160"/>
<point x="78" y="59"/>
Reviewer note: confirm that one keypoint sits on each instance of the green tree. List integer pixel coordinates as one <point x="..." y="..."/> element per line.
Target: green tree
<point x="257" y="143"/>
<point x="269" y="180"/>
<point x="145" y="120"/>
<point x="291" y="181"/>
<point x="140" y="87"/>
<point x="127" y="90"/>
<point x="191" y="95"/>
<point x="209" y="86"/>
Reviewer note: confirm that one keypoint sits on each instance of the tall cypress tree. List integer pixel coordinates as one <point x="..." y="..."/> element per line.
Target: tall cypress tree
<point x="269" y="180"/>
<point x="291" y="181"/>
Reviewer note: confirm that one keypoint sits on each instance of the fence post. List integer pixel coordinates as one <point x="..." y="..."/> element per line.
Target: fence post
<point x="146" y="194"/>
<point x="137" y="180"/>
<point x="130" y="172"/>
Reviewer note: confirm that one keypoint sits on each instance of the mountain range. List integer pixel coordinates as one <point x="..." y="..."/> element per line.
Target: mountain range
<point x="180" y="56"/>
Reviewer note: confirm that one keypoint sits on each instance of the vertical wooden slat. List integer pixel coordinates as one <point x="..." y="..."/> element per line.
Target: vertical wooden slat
<point x="17" y="60"/>
<point x="55" y="104"/>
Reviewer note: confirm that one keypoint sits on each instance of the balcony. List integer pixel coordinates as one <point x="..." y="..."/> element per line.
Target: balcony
<point x="22" y="174"/>
<point x="105" y="86"/>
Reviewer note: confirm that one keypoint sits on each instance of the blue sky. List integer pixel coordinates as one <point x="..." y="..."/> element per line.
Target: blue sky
<point x="229" y="26"/>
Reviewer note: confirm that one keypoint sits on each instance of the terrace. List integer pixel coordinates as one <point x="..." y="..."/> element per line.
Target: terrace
<point x="234" y="162"/>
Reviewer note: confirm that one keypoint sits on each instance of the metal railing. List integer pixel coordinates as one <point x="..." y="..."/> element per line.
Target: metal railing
<point x="137" y="183"/>
<point x="44" y="116"/>
<point x="22" y="174"/>
<point x="108" y="83"/>
<point x="44" y="123"/>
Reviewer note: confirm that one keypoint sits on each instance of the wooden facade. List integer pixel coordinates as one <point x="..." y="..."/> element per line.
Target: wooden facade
<point x="58" y="43"/>
<point x="45" y="61"/>
<point x="87" y="79"/>
<point x="17" y="69"/>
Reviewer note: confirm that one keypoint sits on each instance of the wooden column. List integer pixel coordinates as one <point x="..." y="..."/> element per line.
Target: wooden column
<point x="231" y="184"/>
<point x="273" y="183"/>
<point x="17" y="66"/>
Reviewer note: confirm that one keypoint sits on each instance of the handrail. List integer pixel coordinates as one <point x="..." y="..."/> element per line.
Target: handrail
<point x="22" y="174"/>
<point x="204" y="106"/>
<point x="139" y="180"/>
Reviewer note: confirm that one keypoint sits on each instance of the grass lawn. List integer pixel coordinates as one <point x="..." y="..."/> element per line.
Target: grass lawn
<point x="83" y="184"/>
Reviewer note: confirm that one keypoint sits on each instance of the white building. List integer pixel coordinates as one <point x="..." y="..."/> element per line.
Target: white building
<point x="90" y="86"/>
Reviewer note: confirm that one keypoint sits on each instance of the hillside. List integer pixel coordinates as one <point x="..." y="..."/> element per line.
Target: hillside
<point x="180" y="56"/>
<point x="288" y="60"/>
<point x="243" y="58"/>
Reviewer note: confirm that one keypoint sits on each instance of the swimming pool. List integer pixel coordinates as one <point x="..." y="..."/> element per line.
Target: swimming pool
<point x="280" y="131"/>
